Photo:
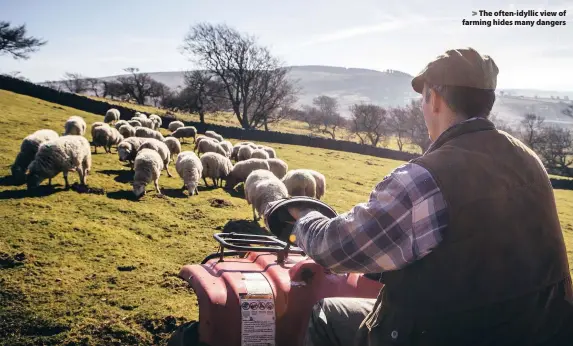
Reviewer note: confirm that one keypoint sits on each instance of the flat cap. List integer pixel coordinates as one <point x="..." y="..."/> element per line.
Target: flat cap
<point x="459" y="67"/>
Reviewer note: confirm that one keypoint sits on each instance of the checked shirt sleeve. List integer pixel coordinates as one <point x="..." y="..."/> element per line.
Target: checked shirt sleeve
<point x="402" y="222"/>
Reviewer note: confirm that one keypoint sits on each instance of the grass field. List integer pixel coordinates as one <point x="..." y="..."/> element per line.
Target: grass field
<point x="86" y="269"/>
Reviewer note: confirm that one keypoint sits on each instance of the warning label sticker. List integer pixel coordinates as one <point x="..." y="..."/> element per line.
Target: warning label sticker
<point x="257" y="312"/>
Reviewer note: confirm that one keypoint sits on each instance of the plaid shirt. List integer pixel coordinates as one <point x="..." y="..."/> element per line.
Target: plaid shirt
<point x="401" y="223"/>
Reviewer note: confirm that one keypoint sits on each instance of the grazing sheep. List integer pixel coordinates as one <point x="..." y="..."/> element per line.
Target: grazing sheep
<point x="262" y="187"/>
<point x="242" y="169"/>
<point x="214" y="135"/>
<point x="127" y="149"/>
<point x="320" y="180"/>
<point x="190" y="169"/>
<point x="216" y="167"/>
<point x="206" y="146"/>
<point x="62" y="154"/>
<point x="259" y="154"/>
<point x="95" y="125"/>
<point x="28" y="149"/>
<point x="253" y="146"/>
<point x="228" y="146"/>
<point x="127" y="131"/>
<point x="144" y="132"/>
<point x="119" y="124"/>
<point x="102" y="137"/>
<point x="278" y="167"/>
<point x="161" y="148"/>
<point x="173" y="145"/>
<point x="198" y="140"/>
<point x="148" y="166"/>
<point x="75" y="125"/>
<point x="185" y="132"/>
<point x="245" y="153"/>
<point x="156" y="120"/>
<point x="300" y="182"/>
<point x="145" y="122"/>
<point x="174" y="125"/>
<point x="134" y="122"/>
<point x="111" y="116"/>
<point x="141" y="115"/>
<point x="270" y="151"/>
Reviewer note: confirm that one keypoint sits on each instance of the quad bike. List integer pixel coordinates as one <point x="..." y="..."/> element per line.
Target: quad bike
<point x="260" y="289"/>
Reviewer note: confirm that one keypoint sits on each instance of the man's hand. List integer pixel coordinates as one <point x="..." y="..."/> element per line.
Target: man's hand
<point x="297" y="213"/>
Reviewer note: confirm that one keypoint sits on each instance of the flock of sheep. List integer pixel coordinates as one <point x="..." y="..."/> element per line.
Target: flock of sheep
<point x="44" y="154"/>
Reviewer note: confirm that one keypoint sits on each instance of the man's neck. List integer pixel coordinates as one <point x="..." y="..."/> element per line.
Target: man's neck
<point x="449" y="121"/>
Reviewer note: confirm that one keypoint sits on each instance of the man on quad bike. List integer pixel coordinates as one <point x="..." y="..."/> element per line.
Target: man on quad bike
<point x="466" y="237"/>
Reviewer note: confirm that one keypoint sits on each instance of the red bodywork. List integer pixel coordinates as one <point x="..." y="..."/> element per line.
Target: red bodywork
<point x="296" y="285"/>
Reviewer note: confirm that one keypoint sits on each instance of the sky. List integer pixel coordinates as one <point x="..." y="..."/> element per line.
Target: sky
<point x="101" y="38"/>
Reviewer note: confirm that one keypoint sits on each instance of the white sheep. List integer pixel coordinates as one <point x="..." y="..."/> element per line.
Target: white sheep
<point x="95" y="125"/>
<point x="134" y="122"/>
<point x="214" y="135"/>
<point x="262" y="188"/>
<point x="270" y="151"/>
<point x="185" y="132"/>
<point x="173" y="145"/>
<point x="28" y="149"/>
<point x="127" y="149"/>
<point x="242" y="169"/>
<point x="148" y="166"/>
<point x="119" y="124"/>
<point x="216" y="167"/>
<point x="141" y="115"/>
<point x="75" y="125"/>
<point x="161" y="148"/>
<point x="228" y="146"/>
<point x="156" y="120"/>
<point x="190" y="168"/>
<point x="245" y="153"/>
<point x="259" y="154"/>
<point x="145" y="122"/>
<point x="63" y="154"/>
<point x="102" y="137"/>
<point x="300" y="182"/>
<point x="211" y="145"/>
<point x="198" y="140"/>
<point x="127" y="131"/>
<point x="174" y="125"/>
<point x="320" y="180"/>
<point x="278" y="167"/>
<point x="144" y="132"/>
<point x="111" y="116"/>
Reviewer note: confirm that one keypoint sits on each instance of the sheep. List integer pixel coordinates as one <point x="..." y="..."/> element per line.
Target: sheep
<point x="270" y="151"/>
<point x="211" y="145"/>
<point x="190" y="169"/>
<point x="148" y="133"/>
<point x="216" y="167"/>
<point x="134" y="122"/>
<point x="244" y="153"/>
<point x="156" y="120"/>
<point x="173" y="145"/>
<point x="300" y="182"/>
<point x="174" y="125"/>
<point x="259" y="154"/>
<point x="262" y="188"/>
<point x="102" y="137"/>
<point x="95" y="125"/>
<point x="119" y="124"/>
<point x="111" y="116"/>
<point x="228" y="146"/>
<point x="28" y="149"/>
<point x="127" y="131"/>
<point x="161" y="148"/>
<point x="242" y="169"/>
<point x="145" y="122"/>
<point x="127" y="149"/>
<point x="320" y="180"/>
<point x="278" y="167"/>
<point x="185" y="132"/>
<point x="214" y="135"/>
<point x="139" y="114"/>
<point x="75" y="125"/>
<point x="148" y="166"/>
<point x="198" y="140"/>
<point x="62" y="154"/>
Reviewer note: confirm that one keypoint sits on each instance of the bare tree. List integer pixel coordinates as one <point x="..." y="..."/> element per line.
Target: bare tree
<point x="158" y="92"/>
<point x="418" y="131"/>
<point x="138" y="86"/>
<point x="531" y="130"/>
<point x="112" y="89"/>
<point x="398" y="125"/>
<point x="369" y="122"/>
<point x="93" y="84"/>
<point x="324" y="116"/>
<point x="53" y="85"/>
<point x="203" y="93"/>
<point x="13" y="40"/>
<point x="502" y="125"/>
<point x="75" y="82"/>
<point x="555" y="148"/>
<point x="255" y="82"/>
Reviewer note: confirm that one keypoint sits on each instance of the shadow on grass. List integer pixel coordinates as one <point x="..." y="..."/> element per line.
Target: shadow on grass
<point x="238" y="192"/>
<point x="124" y="194"/>
<point x="41" y="191"/>
<point x="11" y="181"/>
<point x="175" y="193"/>
<point x="244" y="226"/>
<point x="122" y="175"/>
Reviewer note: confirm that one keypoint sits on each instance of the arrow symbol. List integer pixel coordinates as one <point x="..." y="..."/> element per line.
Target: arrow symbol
<point x="474" y="13"/>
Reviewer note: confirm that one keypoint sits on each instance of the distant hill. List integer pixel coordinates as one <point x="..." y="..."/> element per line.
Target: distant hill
<point x="393" y="88"/>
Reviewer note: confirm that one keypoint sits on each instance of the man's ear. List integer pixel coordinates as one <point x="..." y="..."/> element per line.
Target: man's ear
<point x="435" y="101"/>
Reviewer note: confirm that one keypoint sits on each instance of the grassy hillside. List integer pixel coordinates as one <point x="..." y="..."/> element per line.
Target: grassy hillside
<point x="86" y="269"/>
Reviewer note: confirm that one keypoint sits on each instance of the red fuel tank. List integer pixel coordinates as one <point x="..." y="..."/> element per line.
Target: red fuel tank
<point x="256" y="300"/>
